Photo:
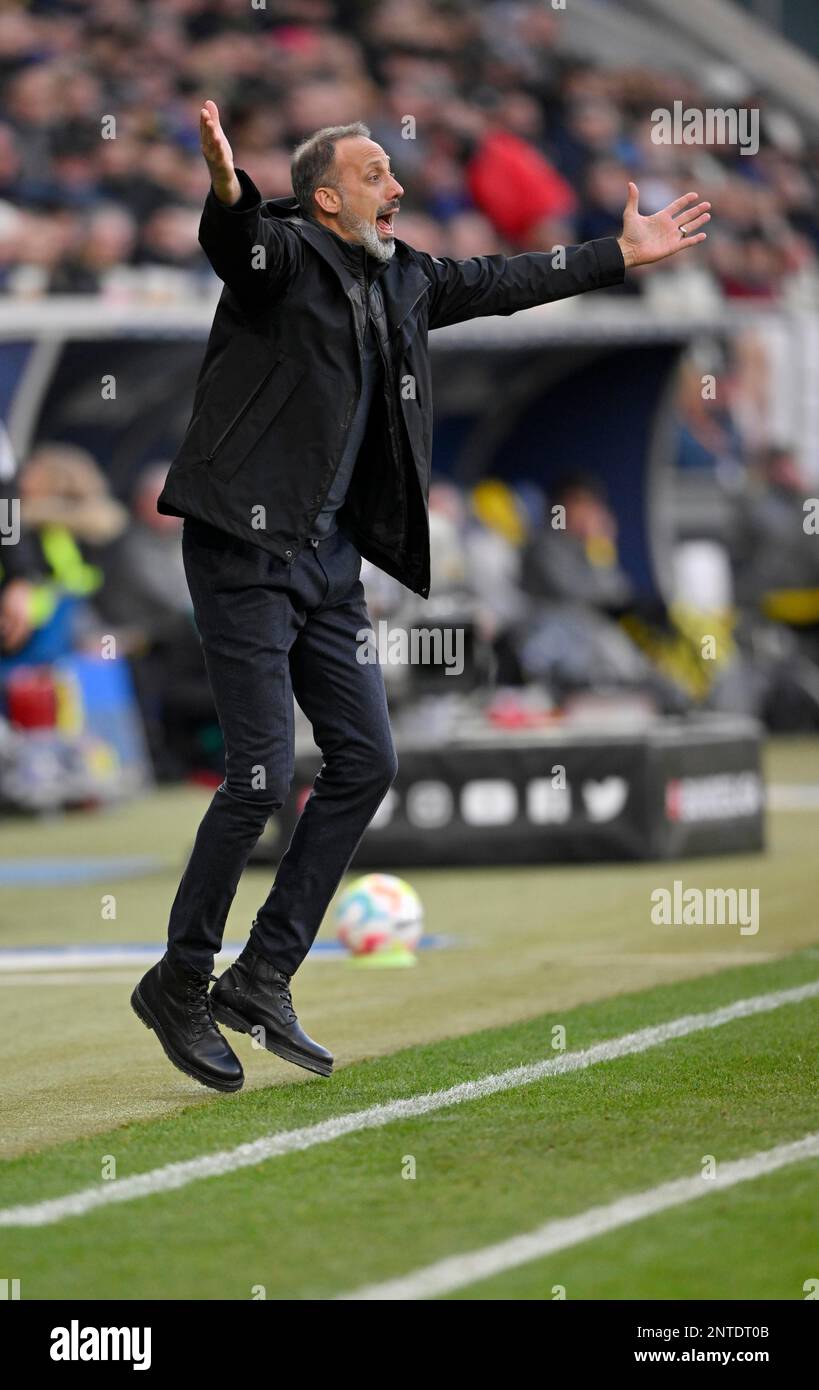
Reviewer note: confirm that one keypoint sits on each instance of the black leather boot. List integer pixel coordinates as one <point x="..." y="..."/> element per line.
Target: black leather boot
<point x="253" y="994"/>
<point x="175" y="1003"/>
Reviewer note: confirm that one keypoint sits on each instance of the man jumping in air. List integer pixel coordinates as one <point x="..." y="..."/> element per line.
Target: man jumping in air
<point x="309" y="447"/>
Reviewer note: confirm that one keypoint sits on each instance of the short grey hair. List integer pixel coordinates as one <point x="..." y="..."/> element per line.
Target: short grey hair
<point x="313" y="160"/>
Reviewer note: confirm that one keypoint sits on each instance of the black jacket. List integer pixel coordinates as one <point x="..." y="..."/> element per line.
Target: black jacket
<point x="281" y="375"/>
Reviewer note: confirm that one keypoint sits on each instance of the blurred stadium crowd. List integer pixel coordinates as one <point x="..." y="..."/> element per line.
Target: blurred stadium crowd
<point x="502" y="139"/>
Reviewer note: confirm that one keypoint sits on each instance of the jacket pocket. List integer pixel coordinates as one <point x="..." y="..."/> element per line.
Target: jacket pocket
<point x="256" y="413"/>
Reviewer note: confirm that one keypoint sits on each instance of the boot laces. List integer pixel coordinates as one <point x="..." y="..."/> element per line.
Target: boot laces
<point x="198" y="1003"/>
<point x="269" y="976"/>
<point x="282" y="983"/>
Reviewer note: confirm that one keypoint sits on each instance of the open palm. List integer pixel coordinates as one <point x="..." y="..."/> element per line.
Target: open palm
<point x="647" y="239"/>
<point x="218" y="154"/>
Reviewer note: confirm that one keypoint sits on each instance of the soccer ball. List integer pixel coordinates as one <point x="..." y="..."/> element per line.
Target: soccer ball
<point x="379" y="913"/>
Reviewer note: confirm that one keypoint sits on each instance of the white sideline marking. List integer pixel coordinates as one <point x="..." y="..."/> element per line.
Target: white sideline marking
<point x="24" y="960"/>
<point x="21" y="963"/>
<point x="796" y="796"/>
<point x="172" y="1176"/>
<point x="458" y="1271"/>
<point x="20" y="980"/>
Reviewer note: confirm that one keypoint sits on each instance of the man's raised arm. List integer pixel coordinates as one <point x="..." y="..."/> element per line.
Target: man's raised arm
<point x="255" y="256"/>
<point x="501" y="284"/>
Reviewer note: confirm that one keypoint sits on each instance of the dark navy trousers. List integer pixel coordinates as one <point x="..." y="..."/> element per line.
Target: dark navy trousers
<point x="270" y="630"/>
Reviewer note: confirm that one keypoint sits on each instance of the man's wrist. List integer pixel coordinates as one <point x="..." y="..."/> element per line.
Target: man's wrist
<point x="628" y="254"/>
<point x="226" y="190"/>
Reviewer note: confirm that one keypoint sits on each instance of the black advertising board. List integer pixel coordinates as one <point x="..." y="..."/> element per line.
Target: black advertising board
<point x="675" y="790"/>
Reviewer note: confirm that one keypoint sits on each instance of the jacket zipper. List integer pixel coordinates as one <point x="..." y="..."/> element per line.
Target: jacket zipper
<point x="241" y="412"/>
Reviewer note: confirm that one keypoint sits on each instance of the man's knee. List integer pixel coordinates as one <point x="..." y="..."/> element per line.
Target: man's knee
<point x="378" y="771"/>
<point x="362" y="767"/>
<point x="260" y="794"/>
<point x="390" y="767"/>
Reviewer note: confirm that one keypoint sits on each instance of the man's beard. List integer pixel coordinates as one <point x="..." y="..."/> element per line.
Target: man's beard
<point x="367" y="235"/>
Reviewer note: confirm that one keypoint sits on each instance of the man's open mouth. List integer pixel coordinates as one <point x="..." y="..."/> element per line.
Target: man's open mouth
<point x="384" y="222"/>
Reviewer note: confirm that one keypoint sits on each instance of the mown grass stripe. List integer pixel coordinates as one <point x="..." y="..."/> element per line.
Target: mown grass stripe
<point x="172" y="1176"/>
<point x="459" y="1271"/>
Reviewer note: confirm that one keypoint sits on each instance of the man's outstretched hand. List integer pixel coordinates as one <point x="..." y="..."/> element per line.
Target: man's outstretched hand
<point x="218" y="155"/>
<point x="644" y="240"/>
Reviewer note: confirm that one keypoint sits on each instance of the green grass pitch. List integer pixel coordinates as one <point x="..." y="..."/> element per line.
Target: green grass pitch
<point x="84" y="1084"/>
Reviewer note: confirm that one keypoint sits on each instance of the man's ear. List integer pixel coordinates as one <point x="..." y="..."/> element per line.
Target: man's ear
<point x="328" y="200"/>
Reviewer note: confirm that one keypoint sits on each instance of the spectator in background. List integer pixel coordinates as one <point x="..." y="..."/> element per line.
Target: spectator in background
<point x="105" y="241"/>
<point x="776" y="562"/>
<point x="602" y="185"/>
<point x="776" y="578"/>
<point x="521" y="194"/>
<point x="68" y="515"/>
<point x="145" y="586"/>
<point x="708" y="434"/>
<point x="495" y="540"/>
<point x="145" y="600"/>
<point x="574" y="554"/>
<point x="571" y="640"/>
